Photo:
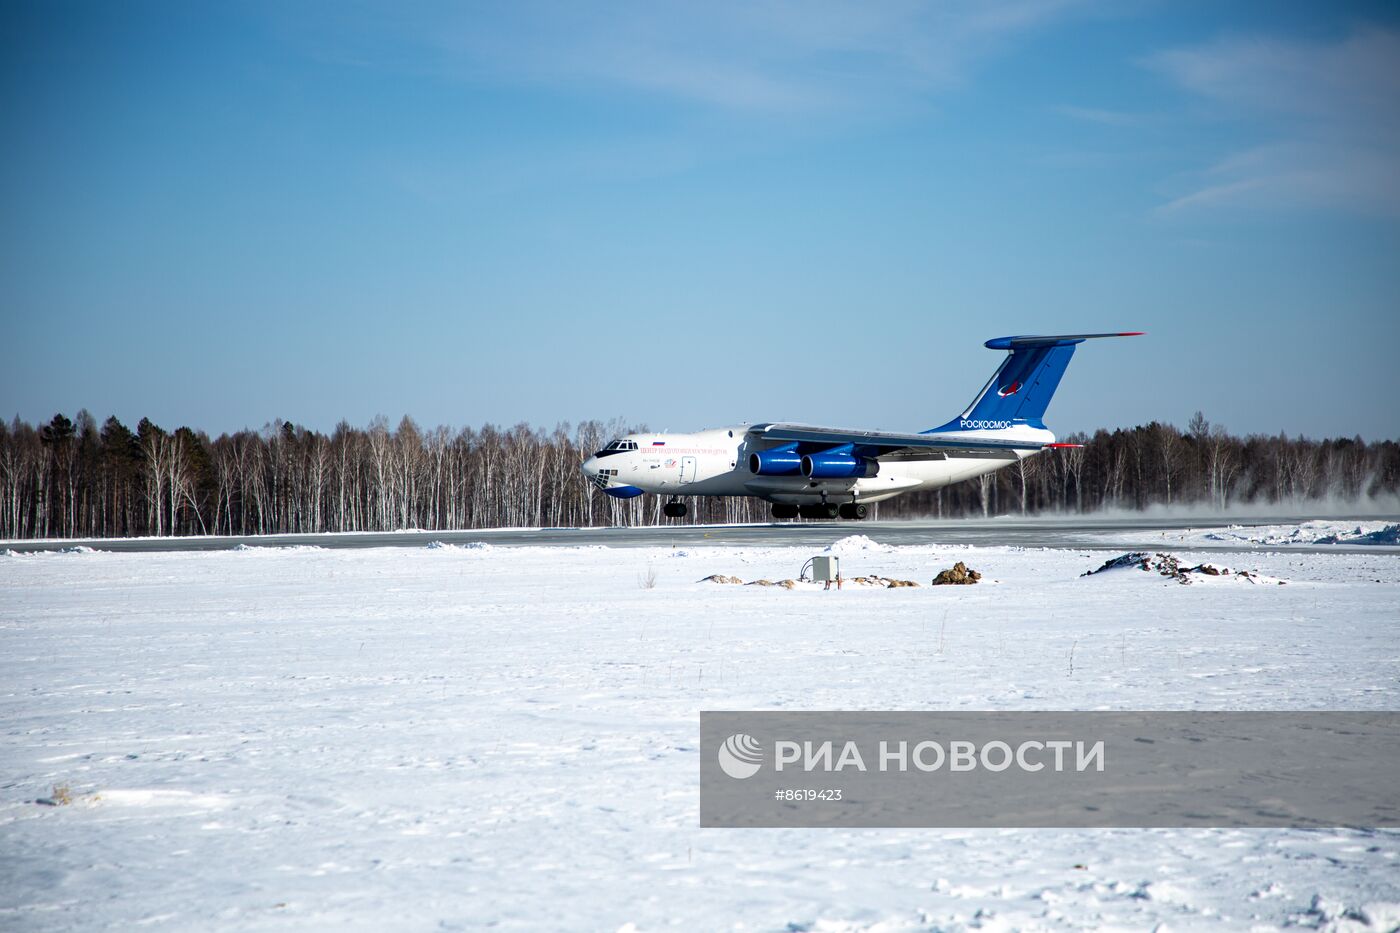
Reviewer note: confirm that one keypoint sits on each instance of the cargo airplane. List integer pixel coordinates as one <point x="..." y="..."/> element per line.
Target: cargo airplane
<point x="817" y="472"/>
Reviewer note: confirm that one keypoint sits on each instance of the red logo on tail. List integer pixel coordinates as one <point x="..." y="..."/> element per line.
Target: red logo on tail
<point x="1012" y="389"/>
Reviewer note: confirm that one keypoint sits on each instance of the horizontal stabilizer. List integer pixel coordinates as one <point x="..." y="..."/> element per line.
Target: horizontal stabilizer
<point x="1058" y="340"/>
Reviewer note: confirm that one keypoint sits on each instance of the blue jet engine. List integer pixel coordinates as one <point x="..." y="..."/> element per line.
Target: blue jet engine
<point x="780" y="461"/>
<point x="838" y="463"/>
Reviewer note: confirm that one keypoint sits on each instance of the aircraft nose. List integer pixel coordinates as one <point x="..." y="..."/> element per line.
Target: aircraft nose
<point x="590" y="466"/>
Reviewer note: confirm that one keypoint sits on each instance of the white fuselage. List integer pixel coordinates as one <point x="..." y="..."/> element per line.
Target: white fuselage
<point x="716" y="463"/>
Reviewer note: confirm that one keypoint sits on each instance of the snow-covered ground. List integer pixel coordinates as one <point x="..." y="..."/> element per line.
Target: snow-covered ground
<point x="1290" y="533"/>
<point x="464" y="737"/>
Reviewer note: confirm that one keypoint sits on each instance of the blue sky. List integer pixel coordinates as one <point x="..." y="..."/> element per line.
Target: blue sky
<point x="691" y="215"/>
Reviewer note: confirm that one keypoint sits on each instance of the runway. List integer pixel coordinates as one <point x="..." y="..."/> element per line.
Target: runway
<point x="1083" y="532"/>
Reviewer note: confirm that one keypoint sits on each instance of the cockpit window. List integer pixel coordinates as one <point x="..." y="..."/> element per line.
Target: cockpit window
<point x="616" y="447"/>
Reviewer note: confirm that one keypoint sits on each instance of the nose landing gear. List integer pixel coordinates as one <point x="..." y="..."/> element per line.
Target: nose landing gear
<point x="674" y="509"/>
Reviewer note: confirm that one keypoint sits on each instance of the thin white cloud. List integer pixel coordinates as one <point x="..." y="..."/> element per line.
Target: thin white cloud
<point x="758" y="57"/>
<point x="727" y="78"/>
<point x="1328" y="115"/>
<point x="1102" y="116"/>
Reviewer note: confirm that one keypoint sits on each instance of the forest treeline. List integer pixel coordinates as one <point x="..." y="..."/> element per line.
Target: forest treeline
<point x="76" y="478"/>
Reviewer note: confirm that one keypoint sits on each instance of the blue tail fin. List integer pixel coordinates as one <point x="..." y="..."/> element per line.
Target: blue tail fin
<point x="1021" y="388"/>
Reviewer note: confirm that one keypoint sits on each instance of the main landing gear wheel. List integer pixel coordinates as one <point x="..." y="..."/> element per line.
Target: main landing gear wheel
<point x="674" y="510"/>
<point x="854" y="510"/>
<point x="784" y="510"/>
<point x="825" y="510"/>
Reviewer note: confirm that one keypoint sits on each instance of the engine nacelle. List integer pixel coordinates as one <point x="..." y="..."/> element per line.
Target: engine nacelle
<point x="837" y="465"/>
<point x="780" y="461"/>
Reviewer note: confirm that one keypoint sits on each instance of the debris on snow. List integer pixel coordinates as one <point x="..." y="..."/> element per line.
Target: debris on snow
<point x="875" y="580"/>
<point x="872" y="580"/>
<point x="61" y="796"/>
<point x="957" y="575"/>
<point x="1171" y="567"/>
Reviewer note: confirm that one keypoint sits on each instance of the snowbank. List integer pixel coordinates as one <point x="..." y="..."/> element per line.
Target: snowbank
<point x="274" y="548"/>
<point x="855" y="544"/>
<point x="1309" y="533"/>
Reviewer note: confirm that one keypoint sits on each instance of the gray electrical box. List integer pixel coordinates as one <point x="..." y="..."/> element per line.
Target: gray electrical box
<point x="826" y="569"/>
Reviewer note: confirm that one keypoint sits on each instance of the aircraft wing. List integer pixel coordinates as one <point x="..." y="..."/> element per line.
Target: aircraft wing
<point x="890" y="440"/>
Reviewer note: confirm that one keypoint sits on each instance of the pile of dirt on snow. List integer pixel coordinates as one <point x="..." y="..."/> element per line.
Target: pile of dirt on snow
<point x="792" y="584"/>
<point x="1171" y="567"/>
<point x="875" y="580"/>
<point x="957" y="575"/>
